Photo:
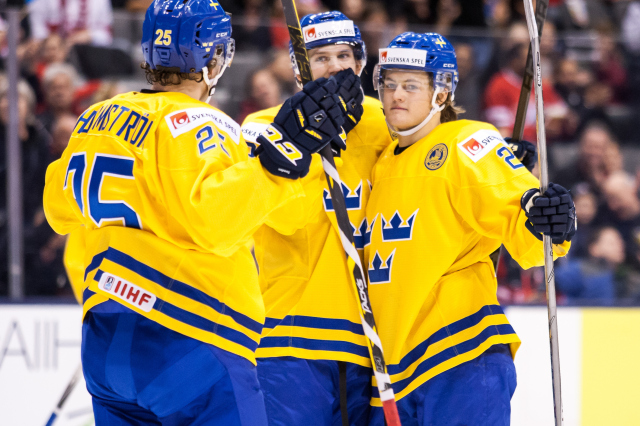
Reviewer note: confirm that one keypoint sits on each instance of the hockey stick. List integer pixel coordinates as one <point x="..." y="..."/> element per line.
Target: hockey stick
<point x="548" y="248"/>
<point x="358" y="281"/>
<point x="72" y="384"/>
<point x="523" y="101"/>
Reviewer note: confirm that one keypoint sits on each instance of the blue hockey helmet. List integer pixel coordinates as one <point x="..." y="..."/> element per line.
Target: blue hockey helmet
<point x="430" y="52"/>
<point x="322" y="29"/>
<point x="185" y="35"/>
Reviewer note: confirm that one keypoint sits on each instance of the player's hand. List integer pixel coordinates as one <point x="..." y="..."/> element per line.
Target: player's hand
<point x="305" y="124"/>
<point x="552" y="213"/>
<point x="351" y="97"/>
<point x="524" y="151"/>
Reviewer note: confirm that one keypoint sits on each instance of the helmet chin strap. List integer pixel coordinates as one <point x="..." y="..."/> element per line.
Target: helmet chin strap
<point x="435" y="108"/>
<point x="212" y="82"/>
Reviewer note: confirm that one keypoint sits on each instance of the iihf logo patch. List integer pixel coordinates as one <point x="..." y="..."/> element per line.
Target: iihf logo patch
<point x="394" y="230"/>
<point x="351" y="198"/>
<point x="379" y="272"/>
<point x="362" y="235"/>
<point x="109" y="283"/>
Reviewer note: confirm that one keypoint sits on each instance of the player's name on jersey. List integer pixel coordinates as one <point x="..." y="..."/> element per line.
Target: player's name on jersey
<point x="118" y="120"/>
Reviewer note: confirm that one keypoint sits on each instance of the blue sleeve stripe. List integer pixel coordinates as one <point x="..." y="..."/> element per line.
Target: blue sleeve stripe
<point x="95" y="262"/>
<point x="447" y="354"/>
<point x="444" y="332"/>
<point x="315" y="322"/>
<point x="204" y="324"/>
<point x="314" y="344"/>
<point x="86" y="294"/>
<point x="181" y="288"/>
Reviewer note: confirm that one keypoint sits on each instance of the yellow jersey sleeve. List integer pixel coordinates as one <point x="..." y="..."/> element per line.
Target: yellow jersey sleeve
<point x="74" y="252"/>
<point x="295" y="214"/>
<point x="219" y="195"/>
<point x="488" y="189"/>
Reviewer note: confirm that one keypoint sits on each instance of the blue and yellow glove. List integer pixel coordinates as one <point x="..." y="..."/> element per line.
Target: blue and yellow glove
<point x="552" y="213"/>
<point x="305" y="124"/>
<point x="524" y="151"/>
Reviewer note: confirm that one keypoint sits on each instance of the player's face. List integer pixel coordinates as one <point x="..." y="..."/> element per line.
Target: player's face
<point x="406" y="97"/>
<point x="327" y="61"/>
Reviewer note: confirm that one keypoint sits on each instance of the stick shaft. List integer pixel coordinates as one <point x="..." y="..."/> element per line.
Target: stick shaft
<point x="527" y="78"/>
<point x="358" y="281"/>
<point x="548" y="248"/>
<point x="65" y="395"/>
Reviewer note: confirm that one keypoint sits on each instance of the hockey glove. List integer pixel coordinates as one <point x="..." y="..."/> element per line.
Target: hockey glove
<point x="524" y="151"/>
<point x="550" y="214"/>
<point x="351" y="97"/>
<point x="305" y="124"/>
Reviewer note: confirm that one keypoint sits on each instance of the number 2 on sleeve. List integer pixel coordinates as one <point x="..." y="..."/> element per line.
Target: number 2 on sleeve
<point x="509" y="157"/>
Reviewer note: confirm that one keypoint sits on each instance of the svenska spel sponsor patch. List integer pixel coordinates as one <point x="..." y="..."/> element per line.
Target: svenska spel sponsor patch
<point x="180" y="122"/>
<point x="127" y="291"/>
<point x="326" y="30"/>
<point x="252" y="130"/>
<point x="409" y="57"/>
<point x="480" y="143"/>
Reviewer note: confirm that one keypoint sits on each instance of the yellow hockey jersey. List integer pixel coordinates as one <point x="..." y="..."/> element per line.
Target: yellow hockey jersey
<point x="437" y="211"/>
<point x="162" y="187"/>
<point x="312" y="312"/>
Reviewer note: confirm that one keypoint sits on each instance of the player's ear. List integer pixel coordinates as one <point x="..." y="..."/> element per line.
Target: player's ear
<point x="442" y="97"/>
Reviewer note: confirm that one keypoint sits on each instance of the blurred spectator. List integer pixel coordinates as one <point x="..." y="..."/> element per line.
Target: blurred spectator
<point x="503" y="93"/>
<point x="61" y="133"/>
<point x="586" y="209"/>
<point x="592" y="281"/>
<point x="578" y="14"/>
<point x="53" y="51"/>
<point x="35" y="159"/>
<point x="262" y="92"/>
<point x="254" y="31"/>
<point x="58" y="84"/>
<point x="468" y="89"/>
<point x="620" y="191"/>
<point x="353" y="9"/>
<point x="577" y="86"/>
<point x="610" y="67"/>
<point x="281" y="67"/>
<point x="78" y="21"/>
<point x="589" y="166"/>
<point x="374" y="28"/>
<point x="630" y="28"/>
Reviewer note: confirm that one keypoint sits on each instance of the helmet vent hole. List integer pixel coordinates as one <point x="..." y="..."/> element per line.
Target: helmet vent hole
<point x="198" y="43"/>
<point x="199" y="25"/>
<point x="206" y="56"/>
<point x="198" y="34"/>
<point x="169" y="10"/>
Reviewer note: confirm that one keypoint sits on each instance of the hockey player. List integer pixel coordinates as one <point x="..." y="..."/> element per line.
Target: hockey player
<point x="313" y="361"/>
<point x="161" y="186"/>
<point x="444" y="197"/>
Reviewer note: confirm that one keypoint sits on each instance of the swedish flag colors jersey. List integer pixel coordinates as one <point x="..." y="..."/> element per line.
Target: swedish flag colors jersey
<point x="161" y="187"/>
<point x="437" y="211"/>
<point x="312" y="312"/>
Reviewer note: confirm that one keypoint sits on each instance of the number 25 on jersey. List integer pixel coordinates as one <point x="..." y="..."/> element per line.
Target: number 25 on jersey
<point x="99" y="210"/>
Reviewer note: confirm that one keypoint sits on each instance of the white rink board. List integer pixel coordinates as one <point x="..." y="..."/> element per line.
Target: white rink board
<point x="40" y="350"/>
